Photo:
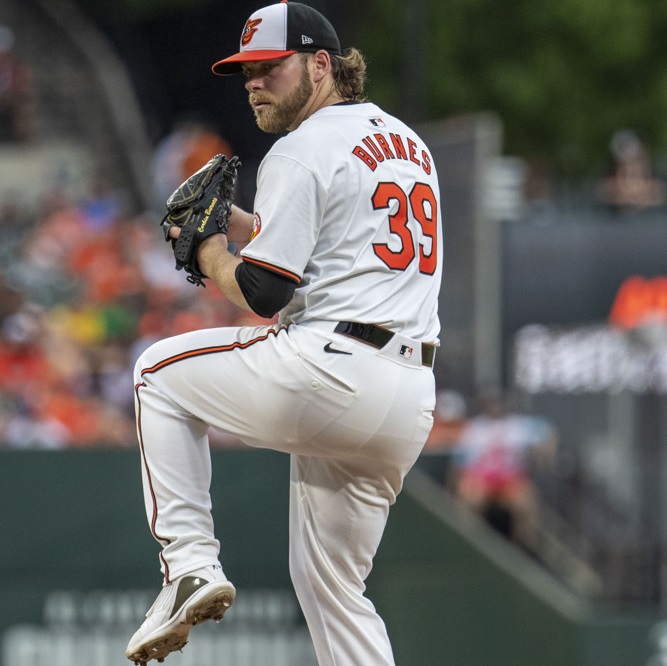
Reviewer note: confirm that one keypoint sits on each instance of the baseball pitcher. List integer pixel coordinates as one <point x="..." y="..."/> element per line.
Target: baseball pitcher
<point x="344" y="243"/>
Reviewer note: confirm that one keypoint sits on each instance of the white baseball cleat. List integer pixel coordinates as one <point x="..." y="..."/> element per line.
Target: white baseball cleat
<point x="204" y="594"/>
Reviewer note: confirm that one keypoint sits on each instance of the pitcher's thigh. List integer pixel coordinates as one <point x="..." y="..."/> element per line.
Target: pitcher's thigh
<point x="249" y="382"/>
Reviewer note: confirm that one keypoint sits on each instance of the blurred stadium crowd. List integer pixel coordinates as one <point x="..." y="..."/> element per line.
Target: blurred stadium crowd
<point x="85" y="287"/>
<point x="86" y="284"/>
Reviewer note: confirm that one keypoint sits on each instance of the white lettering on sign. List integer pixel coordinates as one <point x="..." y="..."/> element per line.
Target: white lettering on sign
<point x="590" y="359"/>
<point x="264" y="627"/>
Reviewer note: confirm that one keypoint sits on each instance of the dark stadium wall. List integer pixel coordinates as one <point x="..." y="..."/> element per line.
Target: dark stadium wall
<point x="78" y="566"/>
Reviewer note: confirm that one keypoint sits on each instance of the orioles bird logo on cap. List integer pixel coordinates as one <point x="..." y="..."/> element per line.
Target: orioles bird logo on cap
<point x="249" y="31"/>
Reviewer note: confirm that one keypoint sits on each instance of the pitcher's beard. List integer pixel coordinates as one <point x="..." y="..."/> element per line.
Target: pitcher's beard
<point x="279" y="116"/>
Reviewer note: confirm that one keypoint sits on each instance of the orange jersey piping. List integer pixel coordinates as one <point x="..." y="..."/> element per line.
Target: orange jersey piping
<point x="163" y="364"/>
<point x="274" y="269"/>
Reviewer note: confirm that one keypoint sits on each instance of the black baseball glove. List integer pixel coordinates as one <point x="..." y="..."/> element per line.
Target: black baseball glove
<point x="200" y="207"/>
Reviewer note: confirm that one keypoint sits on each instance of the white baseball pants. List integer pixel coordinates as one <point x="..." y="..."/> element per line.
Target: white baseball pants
<point x="354" y="424"/>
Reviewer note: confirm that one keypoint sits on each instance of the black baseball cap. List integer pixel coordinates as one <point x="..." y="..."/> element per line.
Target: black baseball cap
<point x="278" y="31"/>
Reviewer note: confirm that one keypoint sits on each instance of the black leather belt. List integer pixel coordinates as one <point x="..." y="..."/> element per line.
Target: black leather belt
<point x="379" y="337"/>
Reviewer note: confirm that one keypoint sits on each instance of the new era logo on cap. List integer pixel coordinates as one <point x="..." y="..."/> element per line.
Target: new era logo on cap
<point x="278" y="31"/>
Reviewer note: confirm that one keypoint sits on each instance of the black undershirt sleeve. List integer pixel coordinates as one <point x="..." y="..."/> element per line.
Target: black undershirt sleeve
<point x="266" y="292"/>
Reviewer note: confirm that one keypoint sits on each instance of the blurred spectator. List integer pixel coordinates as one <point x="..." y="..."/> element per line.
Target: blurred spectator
<point x="449" y="418"/>
<point x="85" y="287"/>
<point x="23" y="360"/>
<point x="17" y="92"/>
<point x="492" y="466"/>
<point x="103" y="206"/>
<point x="632" y="184"/>
<point x="24" y="369"/>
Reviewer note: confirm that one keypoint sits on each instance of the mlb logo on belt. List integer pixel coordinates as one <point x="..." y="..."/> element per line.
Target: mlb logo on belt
<point x="405" y="351"/>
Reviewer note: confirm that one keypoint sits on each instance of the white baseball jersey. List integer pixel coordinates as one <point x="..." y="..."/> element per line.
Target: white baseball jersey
<point x="347" y="205"/>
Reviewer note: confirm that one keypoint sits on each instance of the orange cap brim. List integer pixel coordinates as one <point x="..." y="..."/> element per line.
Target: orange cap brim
<point x="232" y="65"/>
